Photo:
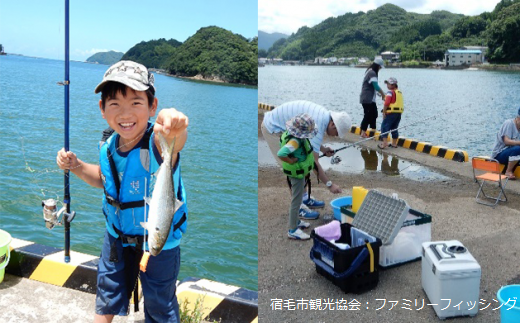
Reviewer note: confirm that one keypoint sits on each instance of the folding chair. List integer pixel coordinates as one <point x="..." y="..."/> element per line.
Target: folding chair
<point x="489" y="171"/>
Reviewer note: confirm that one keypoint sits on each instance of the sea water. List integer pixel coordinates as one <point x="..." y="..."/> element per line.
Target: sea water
<point x="219" y="163"/>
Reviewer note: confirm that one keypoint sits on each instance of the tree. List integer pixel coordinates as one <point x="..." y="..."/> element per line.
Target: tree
<point x="503" y="35"/>
<point x="502" y="5"/>
<point x="216" y="52"/>
<point x="292" y="52"/>
<point x="153" y="53"/>
<point x="469" y="26"/>
<point x="262" y="53"/>
<point x="416" y="32"/>
<point x="276" y="48"/>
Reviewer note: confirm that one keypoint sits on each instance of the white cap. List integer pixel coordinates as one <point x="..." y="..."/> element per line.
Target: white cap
<point x="131" y="74"/>
<point x="379" y="61"/>
<point x="342" y="121"/>
<point x="391" y="80"/>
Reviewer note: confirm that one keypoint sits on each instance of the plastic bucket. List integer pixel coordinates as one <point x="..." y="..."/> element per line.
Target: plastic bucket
<point x="5" y="253"/>
<point x="339" y="202"/>
<point x="509" y="311"/>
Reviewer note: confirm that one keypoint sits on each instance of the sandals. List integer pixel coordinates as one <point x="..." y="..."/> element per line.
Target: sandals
<point x="511" y="177"/>
<point x="381" y="147"/>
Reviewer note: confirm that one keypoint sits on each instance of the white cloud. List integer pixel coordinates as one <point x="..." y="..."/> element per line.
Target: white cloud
<point x="287" y="16"/>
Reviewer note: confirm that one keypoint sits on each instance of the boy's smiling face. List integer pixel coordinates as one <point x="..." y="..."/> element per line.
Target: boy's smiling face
<point x="128" y="115"/>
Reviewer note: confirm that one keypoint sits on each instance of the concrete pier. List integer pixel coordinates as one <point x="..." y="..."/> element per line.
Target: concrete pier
<point x="288" y="277"/>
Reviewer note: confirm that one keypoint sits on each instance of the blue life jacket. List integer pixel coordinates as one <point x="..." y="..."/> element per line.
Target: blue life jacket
<point x="123" y="203"/>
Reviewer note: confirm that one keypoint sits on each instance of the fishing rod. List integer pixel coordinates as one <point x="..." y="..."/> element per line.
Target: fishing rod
<point x="51" y="214"/>
<point x="381" y="134"/>
<point x="66" y="197"/>
<point x="68" y="215"/>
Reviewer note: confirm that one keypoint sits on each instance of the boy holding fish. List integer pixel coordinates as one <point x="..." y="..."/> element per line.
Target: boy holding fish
<point x="140" y="160"/>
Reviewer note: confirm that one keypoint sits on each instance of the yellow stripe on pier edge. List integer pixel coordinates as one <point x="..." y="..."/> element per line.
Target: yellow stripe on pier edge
<point x="413" y="144"/>
<point x="266" y="107"/>
<point x="424" y="147"/>
<point x="408" y="142"/>
<point x="53" y="270"/>
<point x="220" y="302"/>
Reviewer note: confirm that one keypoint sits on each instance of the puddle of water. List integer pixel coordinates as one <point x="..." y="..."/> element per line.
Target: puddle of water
<point x="356" y="160"/>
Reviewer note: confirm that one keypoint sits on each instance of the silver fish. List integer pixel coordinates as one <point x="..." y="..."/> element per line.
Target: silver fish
<point x="163" y="203"/>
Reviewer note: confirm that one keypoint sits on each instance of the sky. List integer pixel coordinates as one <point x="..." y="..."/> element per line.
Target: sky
<point x="287" y="16"/>
<point x="37" y="28"/>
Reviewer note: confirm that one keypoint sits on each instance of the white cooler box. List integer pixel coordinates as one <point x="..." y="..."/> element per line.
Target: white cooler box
<point x="401" y="229"/>
<point x="450" y="276"/>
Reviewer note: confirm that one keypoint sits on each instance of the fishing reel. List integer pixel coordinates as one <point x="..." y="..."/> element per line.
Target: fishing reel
<point x="51" y="215"/>
<point x="335" y="160"/>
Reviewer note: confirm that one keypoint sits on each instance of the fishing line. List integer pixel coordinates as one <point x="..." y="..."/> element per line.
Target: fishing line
<point x="38" y="173"/>
<point x="381" y="134"/>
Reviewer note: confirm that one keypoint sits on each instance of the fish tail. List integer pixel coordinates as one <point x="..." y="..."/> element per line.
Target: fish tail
<point x="167" y="150"/>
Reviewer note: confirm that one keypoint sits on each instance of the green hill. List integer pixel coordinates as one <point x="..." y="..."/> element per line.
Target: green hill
<point x="415" y="36"/>
<point x="388" y="27"/>
<point x="214" y="53"/>
<point x="152" y="53"/>
<point x="106" y="58"/>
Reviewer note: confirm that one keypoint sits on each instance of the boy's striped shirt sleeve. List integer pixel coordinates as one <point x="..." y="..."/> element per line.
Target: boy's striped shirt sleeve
<point x="289" y="148"/>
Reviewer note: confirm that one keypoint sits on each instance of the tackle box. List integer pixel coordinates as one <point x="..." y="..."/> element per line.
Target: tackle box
<point x="407" y="244"/>
<point x="450" y="274"/>
<point x="354" y="270"/>
<point x="381" y="218"/>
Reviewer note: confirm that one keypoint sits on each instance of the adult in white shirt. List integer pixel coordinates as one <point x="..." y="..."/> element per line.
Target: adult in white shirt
<point x="332" y="123"/>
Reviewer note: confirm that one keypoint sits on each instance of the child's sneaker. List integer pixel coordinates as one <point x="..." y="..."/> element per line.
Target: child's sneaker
<point x="308" y="214"/>
<point x="298" y="235"/>
<point x="314" y="204"/>
<point x="303" y="224"/>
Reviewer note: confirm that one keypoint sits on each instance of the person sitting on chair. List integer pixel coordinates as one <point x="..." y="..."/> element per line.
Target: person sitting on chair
<point x="507" y="145"/>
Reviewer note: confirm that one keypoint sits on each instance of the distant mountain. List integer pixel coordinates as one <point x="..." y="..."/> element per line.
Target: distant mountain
<point x="266" y="40"/>
<point x="388" y="27"/>
<point x="105" y="58"/>
<point x="153" y="53"/>
<point x="415" y="36"/>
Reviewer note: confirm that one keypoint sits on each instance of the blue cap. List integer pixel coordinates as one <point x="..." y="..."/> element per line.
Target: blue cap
<point x="518" y="112"/>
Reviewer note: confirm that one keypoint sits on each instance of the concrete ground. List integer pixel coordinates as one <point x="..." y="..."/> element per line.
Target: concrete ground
<point x="490" y="234"/>
<point x="26" y="301"/>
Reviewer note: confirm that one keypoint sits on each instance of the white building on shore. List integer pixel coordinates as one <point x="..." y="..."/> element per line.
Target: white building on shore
<point x="483" y="49"/>
<point x="391" y="56"/>
<point x="457" y="57"/>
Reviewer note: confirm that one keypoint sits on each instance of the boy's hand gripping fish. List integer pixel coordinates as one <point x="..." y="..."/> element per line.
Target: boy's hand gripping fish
<point x="163" y="203"/>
